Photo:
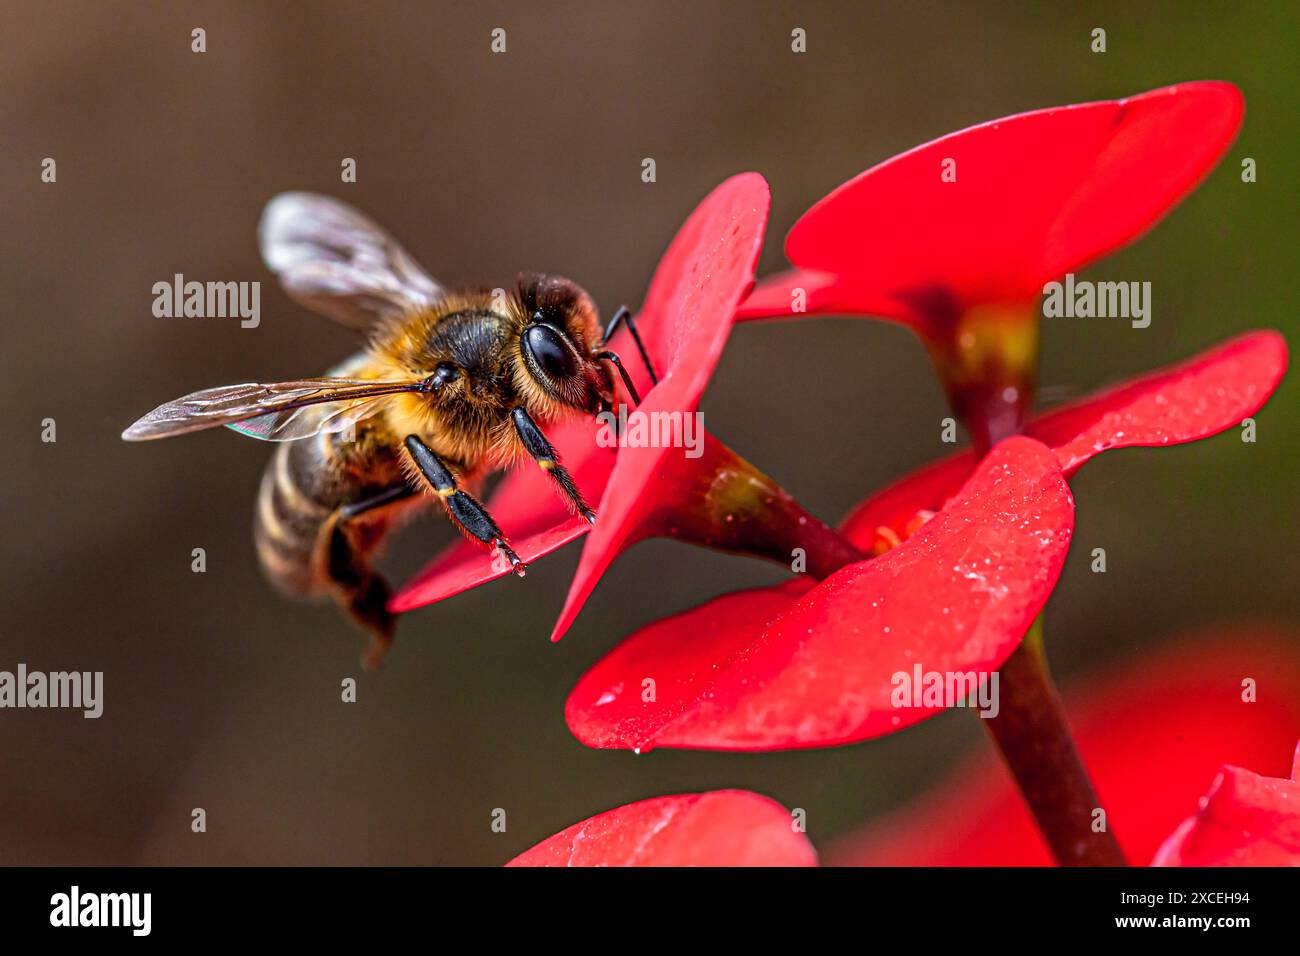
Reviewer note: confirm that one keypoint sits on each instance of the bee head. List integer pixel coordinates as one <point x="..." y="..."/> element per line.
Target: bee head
<point x="557" y="342"/>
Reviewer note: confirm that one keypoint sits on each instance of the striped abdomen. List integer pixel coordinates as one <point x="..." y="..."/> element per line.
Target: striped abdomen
<point x="306" y="482"/>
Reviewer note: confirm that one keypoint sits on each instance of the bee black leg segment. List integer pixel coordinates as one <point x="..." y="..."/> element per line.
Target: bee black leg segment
<point x="612" y="357"/>
<point x="544" y="454"/>
<point x="464" y="508"/>
<point x="380" y="500"/>
<point x="624" y="314"/>
<point x="359" y="591"/>
<point x="369" y="608"/>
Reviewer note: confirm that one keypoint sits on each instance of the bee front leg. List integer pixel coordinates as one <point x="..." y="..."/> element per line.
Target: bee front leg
<point x="464" y="509"/>
<point x="624" y="316"/>
<point x="544" y="454"/>
<point x="359" y="591"/>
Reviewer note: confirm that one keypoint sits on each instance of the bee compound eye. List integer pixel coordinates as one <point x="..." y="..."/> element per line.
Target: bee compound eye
<point x="550" y="353"/>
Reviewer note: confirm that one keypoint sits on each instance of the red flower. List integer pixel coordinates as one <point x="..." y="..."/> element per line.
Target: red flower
<point x="957" y="237"/>
<point x="1032" y="196"/>
<point x="720" y="828"/>
<point x="798" y="665"/>
<point x="1153" y="732"/>
<point x="958" y="596"/>
<point x="1245" y="820"/>
<point x="684" y="323"/>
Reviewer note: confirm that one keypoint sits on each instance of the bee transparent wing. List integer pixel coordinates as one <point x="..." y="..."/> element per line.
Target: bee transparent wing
<point x="267" y="410"/>
<point x="308" y="420"/>
<point x="338" y="262"/>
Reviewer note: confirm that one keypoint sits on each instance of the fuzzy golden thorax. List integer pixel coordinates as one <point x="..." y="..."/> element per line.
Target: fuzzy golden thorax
<point x="478" y="336"/>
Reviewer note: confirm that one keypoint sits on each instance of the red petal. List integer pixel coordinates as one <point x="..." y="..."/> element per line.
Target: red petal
<point x="959" y="595"/>
<point x="1153" y="732"/>
<point x="720" y="828"/>
<point x="804" y="290"/>
<point x="701" y="280"/>
<point x="1035" y="195"/>
<point x="1245" y="820"/>
<point x="607" y="709"/>
<point x="1203" y="396"/>
<point x="925" y="489"/>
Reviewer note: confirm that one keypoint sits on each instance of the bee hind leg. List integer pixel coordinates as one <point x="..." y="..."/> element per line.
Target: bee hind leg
<point x="359" y="591"/>
<point x="369" y="608"/>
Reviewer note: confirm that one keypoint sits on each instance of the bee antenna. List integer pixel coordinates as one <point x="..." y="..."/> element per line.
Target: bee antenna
<point x="625" y="315"/>
<point x="613" y="358"/>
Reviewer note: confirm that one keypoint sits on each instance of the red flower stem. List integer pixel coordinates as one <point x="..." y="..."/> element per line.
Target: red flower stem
<point x="990" y="381"/>
<point x="986" y="358"/>
<point x="1034" y="737"/>
<point x="739" y="509"/>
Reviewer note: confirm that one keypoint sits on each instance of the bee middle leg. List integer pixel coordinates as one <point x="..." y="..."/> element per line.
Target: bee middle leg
<point x="470" y="516"/>
<point x="543" y="452"/>
<point x="361" y="592"/>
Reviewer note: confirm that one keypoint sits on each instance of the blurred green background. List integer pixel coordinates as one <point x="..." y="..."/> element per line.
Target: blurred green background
<point x="223" y="696"/>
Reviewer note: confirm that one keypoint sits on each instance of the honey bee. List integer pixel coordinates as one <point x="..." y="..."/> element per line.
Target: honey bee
<point x="452" y="386"/>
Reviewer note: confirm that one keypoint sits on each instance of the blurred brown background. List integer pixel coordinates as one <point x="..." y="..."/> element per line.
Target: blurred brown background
<point x="220" y="695"/>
